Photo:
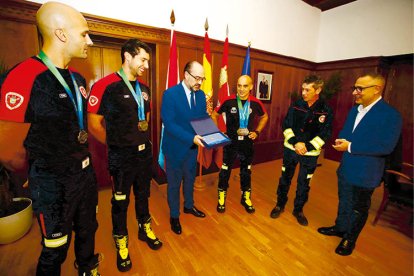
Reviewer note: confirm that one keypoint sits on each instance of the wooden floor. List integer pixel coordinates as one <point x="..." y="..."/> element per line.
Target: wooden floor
<point x="237" y="243"/>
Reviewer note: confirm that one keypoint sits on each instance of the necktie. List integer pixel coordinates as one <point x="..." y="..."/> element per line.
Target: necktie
<point x="192" y="101"/>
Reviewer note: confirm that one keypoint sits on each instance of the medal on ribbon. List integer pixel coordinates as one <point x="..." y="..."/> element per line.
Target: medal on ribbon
<point x="78" y="105"/>
<point x="142" y="125"/>
<point x="243" y="116"/>
<point x="137" y="94"/>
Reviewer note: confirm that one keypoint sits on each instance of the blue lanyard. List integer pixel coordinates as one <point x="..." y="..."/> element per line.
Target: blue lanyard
<point x="243" y="112"/>
<point x="78" y="104"/>
<point x="137" y="94"/>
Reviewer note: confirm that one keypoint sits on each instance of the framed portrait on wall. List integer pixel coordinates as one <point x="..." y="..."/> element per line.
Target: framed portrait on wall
<point x="264" y="81"/>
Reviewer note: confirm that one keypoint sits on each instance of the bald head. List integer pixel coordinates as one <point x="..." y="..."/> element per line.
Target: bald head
<point x="244" y="86"/>
<point x="54" y="15"/>
<point x="64" y="31"/>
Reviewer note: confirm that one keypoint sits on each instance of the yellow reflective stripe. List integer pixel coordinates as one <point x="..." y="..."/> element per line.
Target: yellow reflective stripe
<point x="224" y="167"/>
<point x="53" y="243"/>
<point x="309" y="176"/>
<point x="119" y="197"/>
<point x="249" y="167"/>
<point x="288" y="133"/>
<point x="313" y="153"/>
<point x="283" y="168"/>
<point x="317" y="142"/>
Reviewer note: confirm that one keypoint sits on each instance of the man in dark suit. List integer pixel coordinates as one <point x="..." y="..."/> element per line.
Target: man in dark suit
<point x="180" y="105"/>
<point x="370" y="133"/>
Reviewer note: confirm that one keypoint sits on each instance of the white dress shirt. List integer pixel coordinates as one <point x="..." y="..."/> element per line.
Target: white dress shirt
<point x="362" y="111"/>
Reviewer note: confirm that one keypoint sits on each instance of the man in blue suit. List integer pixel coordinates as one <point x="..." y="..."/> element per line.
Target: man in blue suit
<point x="370" y="133"/>
<point x="180" y="105"/>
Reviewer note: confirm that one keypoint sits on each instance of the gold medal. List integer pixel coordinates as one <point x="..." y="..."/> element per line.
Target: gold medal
<point x="142" y="125"/>
<point x="242" y="132"/>
<point x="82" y="136"/>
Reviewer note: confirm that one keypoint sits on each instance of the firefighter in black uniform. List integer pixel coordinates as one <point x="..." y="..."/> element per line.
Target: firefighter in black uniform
<point x="307" y="127"/>
<point x="121" y="103"/>
<point x="43" y="102"/>
<point x="240" y="110"/>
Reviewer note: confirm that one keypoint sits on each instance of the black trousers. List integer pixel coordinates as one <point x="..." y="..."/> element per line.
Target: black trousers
<point x="129" y="167"/>
<point x="65" y="198"/>
<point x="307" y="166"/>
<point x="353" y="207"/>
<point x="244" y="151"/>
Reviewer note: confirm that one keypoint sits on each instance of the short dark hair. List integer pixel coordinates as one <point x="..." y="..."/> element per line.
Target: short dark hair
<point x="316" y="80"/>
<point x="133" y="46"/>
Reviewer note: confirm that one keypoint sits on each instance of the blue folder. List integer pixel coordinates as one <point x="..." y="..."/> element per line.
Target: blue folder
<point x="212" y="136"/>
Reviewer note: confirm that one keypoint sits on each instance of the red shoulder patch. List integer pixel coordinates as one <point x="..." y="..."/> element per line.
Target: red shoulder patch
<point x="98" y="89"/>
<point x="16" y="89"/>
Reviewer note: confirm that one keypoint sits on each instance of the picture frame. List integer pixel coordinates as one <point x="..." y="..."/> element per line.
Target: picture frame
<point x="264" y="84"/>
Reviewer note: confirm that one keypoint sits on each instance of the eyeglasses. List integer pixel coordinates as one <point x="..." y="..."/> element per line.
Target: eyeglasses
<point x="197" y="78"/>
<point x="359" y="89"/>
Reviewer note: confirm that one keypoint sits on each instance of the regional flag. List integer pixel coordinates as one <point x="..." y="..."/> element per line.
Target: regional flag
<point x="246" y="63"/>
<point x="173" y="78"/>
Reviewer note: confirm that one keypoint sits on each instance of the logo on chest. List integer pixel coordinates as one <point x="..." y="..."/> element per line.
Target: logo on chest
<point x="83" y="91"/>
<point x="322" y="118"/>
<point x="13" y="100"/>
<point x="233" y="110"/>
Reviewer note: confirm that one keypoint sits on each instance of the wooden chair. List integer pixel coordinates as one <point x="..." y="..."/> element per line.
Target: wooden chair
<point x="398" y="188"/>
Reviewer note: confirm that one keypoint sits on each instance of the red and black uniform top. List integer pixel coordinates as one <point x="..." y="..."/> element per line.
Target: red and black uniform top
<point x="30" y="93"/>
<point x="230" y="107"/>
<point x="111" y="98"/>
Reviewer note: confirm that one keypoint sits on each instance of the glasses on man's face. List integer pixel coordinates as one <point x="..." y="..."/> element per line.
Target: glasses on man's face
<point x="359" y="89"/>
<point x="197" y="78"/>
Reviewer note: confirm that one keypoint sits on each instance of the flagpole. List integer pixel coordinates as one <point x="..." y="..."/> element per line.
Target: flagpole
<point x="200" y="185"/>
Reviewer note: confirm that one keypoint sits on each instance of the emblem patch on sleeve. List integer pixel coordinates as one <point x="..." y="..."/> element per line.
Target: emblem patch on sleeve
<point x="93" y="100"/>
<point x="145" y="96"/>
<point x="13" y="100"/>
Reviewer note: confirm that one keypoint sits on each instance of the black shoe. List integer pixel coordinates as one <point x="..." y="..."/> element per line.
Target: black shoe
<point x="247" y="202"/>
<point x="195" y="212"/>
<point x="91" y="269"/>
<point x="300" y="217"/>
<point x="146" y="234"/>
<point x="276" y="212"/>
<point x="345" y="247"/>
<point x="175" y="225"/>
<point x="331" y="231"/>
<point x="123" y="262"/>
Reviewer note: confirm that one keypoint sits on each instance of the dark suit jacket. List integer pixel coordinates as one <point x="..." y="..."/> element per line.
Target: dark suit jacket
<point x="372" y="140"/>
<point x="176" y="116"/>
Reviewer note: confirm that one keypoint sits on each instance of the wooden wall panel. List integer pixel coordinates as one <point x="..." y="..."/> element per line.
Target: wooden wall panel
<point x="18" y="42"/>
<point x="397" y="93"/>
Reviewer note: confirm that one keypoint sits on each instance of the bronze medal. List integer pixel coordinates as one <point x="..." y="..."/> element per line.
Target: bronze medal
<point x="142" y="125"/>
<point x="242" y="132"/>
<point x="82" y="136"/>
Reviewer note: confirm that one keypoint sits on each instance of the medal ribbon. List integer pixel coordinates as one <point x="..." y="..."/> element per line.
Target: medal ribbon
<point x="78" y="104"/>
<point x="137" y="94"/>
<point x="243" y="112"/>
